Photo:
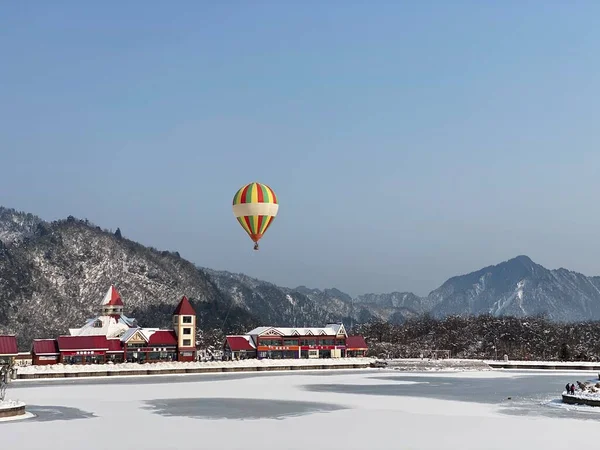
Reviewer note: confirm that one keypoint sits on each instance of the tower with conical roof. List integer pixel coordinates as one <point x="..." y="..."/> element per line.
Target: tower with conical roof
<point x="111" y="322"/>
<point x="112" y="305"/>
<point x="184" y="325"/>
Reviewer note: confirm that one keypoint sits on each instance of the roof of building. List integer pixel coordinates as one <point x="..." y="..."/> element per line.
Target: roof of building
<point x="45" y="346"/>
<point x="125" y="337"/>
<point x="337" y="328"/>
<point x="114" y="345"/>
<point x="152" y="336"/>
<point x="111" y="326"/>
<point x="357" y="342"/>
<point x="8" y="345"/>
<point x="67" y="343"/>
<point x="184" y="308"/>
<point x="163" y="337"/>
<point x="329" y="330"/>
<point x="112" y="297"/>
<point x="237" y="343"/>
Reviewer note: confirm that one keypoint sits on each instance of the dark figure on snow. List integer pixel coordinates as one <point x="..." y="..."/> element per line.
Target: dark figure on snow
<point x="568" y="388"/>
<point x="572" y="389"/>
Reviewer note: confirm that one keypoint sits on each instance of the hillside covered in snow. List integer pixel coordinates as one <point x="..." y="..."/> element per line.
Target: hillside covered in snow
<point x="54" y="274"/>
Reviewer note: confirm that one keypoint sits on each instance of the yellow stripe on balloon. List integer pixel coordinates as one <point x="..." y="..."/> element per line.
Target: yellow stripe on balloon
<point x="243" y="224"/>
<point x="265" y="224"/>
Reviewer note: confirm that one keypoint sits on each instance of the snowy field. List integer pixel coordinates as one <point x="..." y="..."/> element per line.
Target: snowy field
<point x="545" y="363"/>
<point x="358" y="409"/>
<point x="125" y="367"/>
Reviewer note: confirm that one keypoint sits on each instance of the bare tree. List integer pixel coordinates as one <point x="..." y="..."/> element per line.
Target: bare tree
<point x="6" y="368"/>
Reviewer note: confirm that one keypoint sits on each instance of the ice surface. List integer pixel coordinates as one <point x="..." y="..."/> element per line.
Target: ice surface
<point x="280" y="411"/>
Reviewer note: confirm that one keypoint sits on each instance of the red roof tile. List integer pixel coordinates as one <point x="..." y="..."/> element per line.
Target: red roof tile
<point x="45" y="346"/>
<point x="163" y="337"/>
<point x="237" y="343"/>
<point x="82" y="343"/>
<point x="8" y="346"/>
<point x="112" y="298"/>
<point x="184" y="308"/>
<point x="114" y="345"/>
<point x="355" y="342"/>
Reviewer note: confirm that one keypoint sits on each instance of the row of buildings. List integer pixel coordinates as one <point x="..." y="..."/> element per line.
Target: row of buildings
<point x="112" y="336"/>
<point x="331" y="341"/>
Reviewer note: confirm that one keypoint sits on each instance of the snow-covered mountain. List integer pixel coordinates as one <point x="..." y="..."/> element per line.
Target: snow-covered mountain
<point x="519" y="287"/>
<point x="54" y="274"/>
<point x="395" y="306"/>
<point x="16" y="226"/>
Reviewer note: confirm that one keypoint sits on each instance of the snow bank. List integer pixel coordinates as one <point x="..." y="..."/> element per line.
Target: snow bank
<point x="586" y="390"/>
<point x="545" y="363"/>
<point x="248" y="363"/>
<point x="7" y="404"/>
<point x="437" y="365"/>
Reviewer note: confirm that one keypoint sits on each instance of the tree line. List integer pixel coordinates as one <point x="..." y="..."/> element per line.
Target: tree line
<point x="484" y="337"/>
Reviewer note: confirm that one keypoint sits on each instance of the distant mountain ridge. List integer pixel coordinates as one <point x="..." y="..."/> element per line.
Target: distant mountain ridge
<point x="519" y="287"/>
<point x="53" y="275"/>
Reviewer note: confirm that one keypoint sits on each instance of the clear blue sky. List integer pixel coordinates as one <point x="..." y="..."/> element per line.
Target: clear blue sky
<point x="408" y="141"/>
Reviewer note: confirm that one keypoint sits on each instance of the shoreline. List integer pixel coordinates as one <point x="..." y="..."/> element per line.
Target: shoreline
<point x="545" y="365"/>
<point x="184" y="368"/>
<point x="253" y="365"/>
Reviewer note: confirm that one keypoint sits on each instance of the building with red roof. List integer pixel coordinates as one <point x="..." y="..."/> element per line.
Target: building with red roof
<point x="330" y="341"/>
<point x="356" y="346"/>
<point x="184" y="308"/>
<point x="8" y="349"/>
<point x="111" y="322"/>
<point x="114" y="337"/>
<point x="184" y="325"/>
<point x="44" y="351"/>
<point x="239" y="347"/>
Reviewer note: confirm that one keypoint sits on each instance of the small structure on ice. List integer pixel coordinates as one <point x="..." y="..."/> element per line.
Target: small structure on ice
<point x="586" y="393"/>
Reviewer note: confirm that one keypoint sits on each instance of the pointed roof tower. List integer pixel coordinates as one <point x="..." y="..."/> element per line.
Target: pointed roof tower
<point x="112" y="305"/>
<point x="111" y="322"/>
<point x="184" y="308"/>
<point x="112" y="297"/>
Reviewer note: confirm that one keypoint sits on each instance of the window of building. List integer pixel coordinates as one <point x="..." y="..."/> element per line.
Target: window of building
<point x="187" y="331"/>
<point x="187" y="342"/>
<point x="187" y="319"/>
<point x="270" y="341"/>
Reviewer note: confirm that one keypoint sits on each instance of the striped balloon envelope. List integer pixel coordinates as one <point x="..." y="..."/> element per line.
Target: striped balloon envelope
<point x="255" y="207"/>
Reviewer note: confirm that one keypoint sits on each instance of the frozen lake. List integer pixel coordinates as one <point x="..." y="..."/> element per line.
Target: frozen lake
<point x="368" y="409"/>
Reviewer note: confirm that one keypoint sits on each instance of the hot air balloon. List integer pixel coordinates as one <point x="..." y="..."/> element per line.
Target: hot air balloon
<point x="255" y="207"/>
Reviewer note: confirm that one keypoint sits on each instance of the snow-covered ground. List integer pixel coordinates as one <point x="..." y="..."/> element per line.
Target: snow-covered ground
<point x="7" y="404"/>
<point x="76" y="368"/>
<point x="415" y="364"/>
<point x="545" y="363"/>
<point x="284" y="411"/>
<point x="418" y="364"/>
<point x="587" y="389"/>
